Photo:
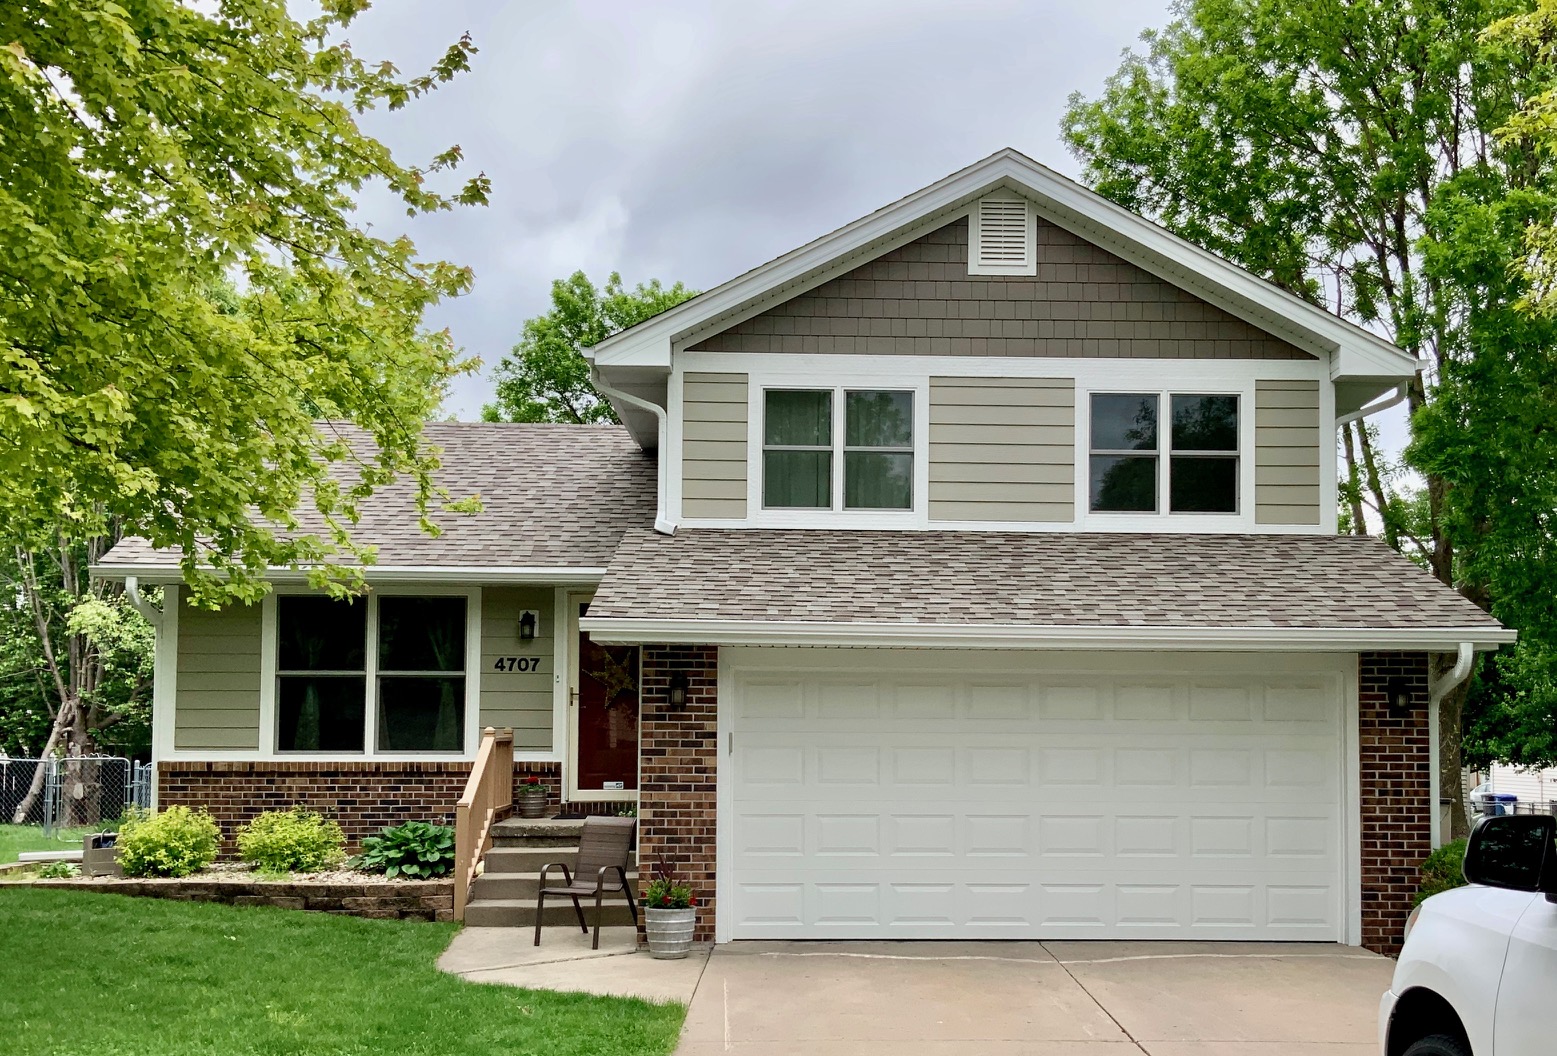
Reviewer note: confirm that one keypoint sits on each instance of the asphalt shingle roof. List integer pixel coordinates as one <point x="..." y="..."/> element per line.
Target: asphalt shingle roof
<point x="1056" y="579"/>
<point x="554" y="495"/>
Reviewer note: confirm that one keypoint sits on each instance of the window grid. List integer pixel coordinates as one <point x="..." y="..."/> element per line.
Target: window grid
<point x="1162" y="467"/>
<point x="839" y="449"/>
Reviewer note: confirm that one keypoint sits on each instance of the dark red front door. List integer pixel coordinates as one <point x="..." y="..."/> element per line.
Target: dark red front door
<point x="607" y="715"/>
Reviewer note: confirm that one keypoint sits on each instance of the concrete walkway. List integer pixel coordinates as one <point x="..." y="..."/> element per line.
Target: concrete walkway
<point x="1036" y="999"/>
<point x="564" y="961"/>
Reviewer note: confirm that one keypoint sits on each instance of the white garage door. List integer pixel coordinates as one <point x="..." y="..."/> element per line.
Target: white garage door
<point x="870" y="794"/>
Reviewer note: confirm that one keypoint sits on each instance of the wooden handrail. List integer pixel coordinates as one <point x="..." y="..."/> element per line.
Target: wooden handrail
<point x="488" y="798"/>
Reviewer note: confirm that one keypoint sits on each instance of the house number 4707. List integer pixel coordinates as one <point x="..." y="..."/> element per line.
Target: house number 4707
<point x="517" y="663"/>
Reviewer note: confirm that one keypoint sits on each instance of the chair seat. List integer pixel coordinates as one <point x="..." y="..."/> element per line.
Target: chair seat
<point x="579" y="887"/>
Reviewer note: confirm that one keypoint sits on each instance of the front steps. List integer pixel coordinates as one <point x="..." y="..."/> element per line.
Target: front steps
<point x="504" y="895"/>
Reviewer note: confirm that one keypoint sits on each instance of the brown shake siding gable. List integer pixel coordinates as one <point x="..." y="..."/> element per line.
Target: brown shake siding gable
<point x="920" y="300"/>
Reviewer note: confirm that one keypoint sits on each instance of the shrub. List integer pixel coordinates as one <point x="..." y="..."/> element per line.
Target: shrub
<point x="417" y="849"/>
<point x="176" y="842"/>
<point x="1444" y="870"/>
<point x="58" y="871"/>
<point x="291" y="841"/>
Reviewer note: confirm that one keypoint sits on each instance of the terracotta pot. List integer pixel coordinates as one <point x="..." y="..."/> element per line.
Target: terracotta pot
<point x="669" y="931"/>
<point x="532" y="803"/>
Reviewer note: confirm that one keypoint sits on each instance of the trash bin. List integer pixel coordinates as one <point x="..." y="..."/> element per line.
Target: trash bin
<point x="99" y="856"/>
<point x="1501" y="803"/>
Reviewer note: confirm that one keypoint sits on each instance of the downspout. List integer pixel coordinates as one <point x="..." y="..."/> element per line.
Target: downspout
<point x="1438" y="689"/>
<point x="662" y="524"/>
<point x="1396" y="396"/>
<point x="132" y="590"/>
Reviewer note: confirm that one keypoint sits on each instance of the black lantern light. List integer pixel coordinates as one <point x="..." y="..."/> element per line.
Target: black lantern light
<point x="527" y="622"/>
<point x="1398" y="693"/>
<point x="678" y="690"/>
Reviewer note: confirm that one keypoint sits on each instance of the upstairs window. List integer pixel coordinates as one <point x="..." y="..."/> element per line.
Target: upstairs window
<point x="802" y="445"/>
<point x="392" y="665"/>
<point x="1129" y="471"/>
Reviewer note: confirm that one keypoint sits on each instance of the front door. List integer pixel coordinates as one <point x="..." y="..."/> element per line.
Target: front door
<point x="605" y="704"/>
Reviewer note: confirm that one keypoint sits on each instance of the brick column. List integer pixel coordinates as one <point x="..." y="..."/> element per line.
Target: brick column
<point x="1397" y="806"/>
<point x="677" y="761"/>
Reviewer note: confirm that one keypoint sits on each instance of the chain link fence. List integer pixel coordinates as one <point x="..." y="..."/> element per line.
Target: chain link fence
<point x="75" y="792"/>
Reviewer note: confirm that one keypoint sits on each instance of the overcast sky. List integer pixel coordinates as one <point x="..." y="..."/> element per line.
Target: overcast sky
<point x="692" y="141"/>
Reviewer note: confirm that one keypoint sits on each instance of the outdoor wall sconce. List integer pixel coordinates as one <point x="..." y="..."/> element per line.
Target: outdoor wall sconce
<point x="529" y="623"/>
<point x="1398" y="692"/>
<point x="678" y="691"/>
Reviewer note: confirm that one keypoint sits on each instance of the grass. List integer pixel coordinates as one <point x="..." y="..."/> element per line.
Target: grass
<point x="14" y="839"/>
<point x="108" y="975"/>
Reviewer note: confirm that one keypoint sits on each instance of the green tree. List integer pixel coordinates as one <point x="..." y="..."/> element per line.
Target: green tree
<point x="152" y="154"/>
<point x="546" y="378"/>
<point x="1346" y="151"/>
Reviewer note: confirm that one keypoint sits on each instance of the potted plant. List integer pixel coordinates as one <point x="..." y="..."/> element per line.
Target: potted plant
<point x="669" y="915"/>
<point x="532" y="797"/>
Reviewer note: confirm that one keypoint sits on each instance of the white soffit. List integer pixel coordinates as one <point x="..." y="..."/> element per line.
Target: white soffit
<point x="1350" y="349"/>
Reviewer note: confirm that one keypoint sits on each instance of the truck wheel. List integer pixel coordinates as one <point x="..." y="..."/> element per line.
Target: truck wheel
<point x="1438" y="1045"/>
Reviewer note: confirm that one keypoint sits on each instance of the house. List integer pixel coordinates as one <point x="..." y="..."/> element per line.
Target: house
<point x="969" y="572"/>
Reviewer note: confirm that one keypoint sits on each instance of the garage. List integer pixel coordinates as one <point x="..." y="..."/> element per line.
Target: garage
<point x="986" y="794"/>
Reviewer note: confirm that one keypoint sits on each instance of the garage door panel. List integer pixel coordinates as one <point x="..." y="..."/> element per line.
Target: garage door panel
<point x="1084" y="804"/>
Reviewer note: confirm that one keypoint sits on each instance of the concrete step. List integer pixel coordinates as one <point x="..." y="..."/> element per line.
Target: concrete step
<point x="527" y="859"/>
<point x="520" y="912"/>
<point x="520" y="885"/>
<point x="538" y="832"/>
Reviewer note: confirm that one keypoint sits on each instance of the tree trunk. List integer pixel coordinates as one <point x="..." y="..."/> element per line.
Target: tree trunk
<point x="1370" y="466"/>
<point x="1450" y="710"/>
<point x="1354" y="481"/>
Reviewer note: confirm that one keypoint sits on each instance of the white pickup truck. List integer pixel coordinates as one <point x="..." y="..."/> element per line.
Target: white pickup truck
<point x="1478" y="973"/>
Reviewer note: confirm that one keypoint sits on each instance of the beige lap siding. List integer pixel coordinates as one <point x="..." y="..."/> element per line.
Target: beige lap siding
<point x="520" y="695"/>
<point x="1287" y="449"/>
<point x="217" y="703"/>
<point x="713" y="445"/>
<point x="1002" y="449"/>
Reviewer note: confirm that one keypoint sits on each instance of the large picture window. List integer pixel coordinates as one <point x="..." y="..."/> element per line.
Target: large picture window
<point x="411" y="696"/>
<point x="801" y="442"/>
<point x="1126" y="468"/>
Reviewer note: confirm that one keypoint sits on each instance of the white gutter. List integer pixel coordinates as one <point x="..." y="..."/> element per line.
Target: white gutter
<point x="1461" y="670"/>
<point x="132" y="590"/>
<point x="1396" y="396"/>
<point x="540" y="575"/>
<point x="1438" y="689"/>
<point x="662" y="524"/>
<point x="1026" y="636"/>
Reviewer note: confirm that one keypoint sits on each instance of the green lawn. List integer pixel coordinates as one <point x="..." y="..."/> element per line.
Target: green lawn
<point x="14" y="839"/>
<point x="104" y="975"/>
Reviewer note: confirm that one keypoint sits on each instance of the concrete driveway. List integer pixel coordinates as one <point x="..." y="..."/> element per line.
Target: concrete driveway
<point x="1036" y="999"/>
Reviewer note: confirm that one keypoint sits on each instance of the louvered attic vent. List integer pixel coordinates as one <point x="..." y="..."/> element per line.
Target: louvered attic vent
<point x="1002" y="241"/>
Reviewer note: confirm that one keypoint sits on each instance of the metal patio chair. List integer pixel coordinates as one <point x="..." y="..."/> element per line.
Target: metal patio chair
<point x="600" y="869"/>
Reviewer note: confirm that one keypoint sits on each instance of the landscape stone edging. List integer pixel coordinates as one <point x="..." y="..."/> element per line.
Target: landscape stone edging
<point x="381" y="900"/>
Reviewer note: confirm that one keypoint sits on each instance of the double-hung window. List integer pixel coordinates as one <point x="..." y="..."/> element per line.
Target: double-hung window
<point x="804" y="444"/>
<point x="384" y="673"/>
<point x="1129" y="470"/>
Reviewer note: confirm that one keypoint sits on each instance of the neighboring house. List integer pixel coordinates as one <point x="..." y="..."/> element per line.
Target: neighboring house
<point x="1536" y="789"/>
<point x="992" y="557"/>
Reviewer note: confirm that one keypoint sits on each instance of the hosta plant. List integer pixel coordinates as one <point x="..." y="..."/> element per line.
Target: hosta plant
<point x="418" y="850"/>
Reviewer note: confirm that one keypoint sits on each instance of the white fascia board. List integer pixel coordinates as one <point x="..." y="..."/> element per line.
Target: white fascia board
<point x="1022" y="636"/>
<point x="561" y="575"/>
<point x="1350" y="348"/>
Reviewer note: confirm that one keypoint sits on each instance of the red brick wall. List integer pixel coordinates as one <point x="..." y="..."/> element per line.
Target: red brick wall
<point x="1396" y="800"/>
<point x="363" y="797"/>
<point x="677" y="764"/>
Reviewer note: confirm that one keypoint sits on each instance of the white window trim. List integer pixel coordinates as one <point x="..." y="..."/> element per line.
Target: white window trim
<point x="916" y="516"/>
<point x="269" y="671"/>
<point x="1163" y="519"/>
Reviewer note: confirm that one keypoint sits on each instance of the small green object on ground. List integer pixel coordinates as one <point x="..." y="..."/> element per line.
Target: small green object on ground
<point x="195" y="978"/>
